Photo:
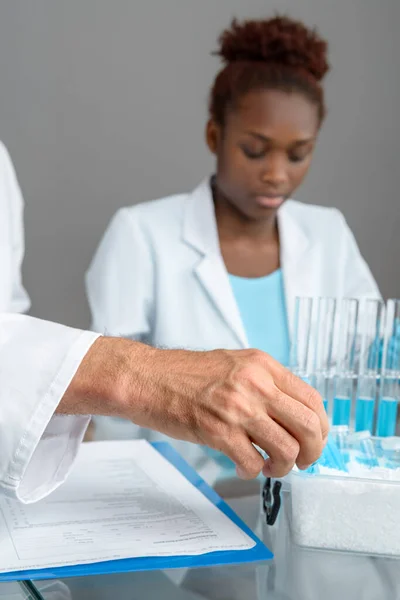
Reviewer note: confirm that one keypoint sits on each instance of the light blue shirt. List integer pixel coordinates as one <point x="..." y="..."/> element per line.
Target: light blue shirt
<point x="262" y="306"/>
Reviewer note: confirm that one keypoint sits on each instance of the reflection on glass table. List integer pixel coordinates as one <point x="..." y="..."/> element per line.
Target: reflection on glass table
<point x="294" y="574"/>
<point x="19" y="591"/>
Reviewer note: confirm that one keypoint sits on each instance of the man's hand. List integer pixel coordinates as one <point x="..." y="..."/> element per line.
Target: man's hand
<point x="228" y="400"/>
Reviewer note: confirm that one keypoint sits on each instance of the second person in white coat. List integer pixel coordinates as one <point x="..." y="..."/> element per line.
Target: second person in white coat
<point x="222" y="265"/>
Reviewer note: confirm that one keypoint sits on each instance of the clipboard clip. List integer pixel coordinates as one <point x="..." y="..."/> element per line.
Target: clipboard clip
<point x="271" y="495"/>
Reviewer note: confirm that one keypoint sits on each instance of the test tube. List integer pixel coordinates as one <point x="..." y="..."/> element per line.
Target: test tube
<point x="345" y="366"/>
<point x="391" y="452"/>
<point x="387" y="410"/>
<point x="389" y="385"/>
<point x="326" y="311"/>
<point x="371" y="318"/>
<point x="300" y="343"/>
<point x="332" y="455"/>
<point x="363" y="444"/>
<point x="340" y="434"/>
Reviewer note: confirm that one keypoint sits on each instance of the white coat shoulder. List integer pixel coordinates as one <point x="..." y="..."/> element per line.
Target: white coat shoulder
<point x="13" y="297"/>
<point x="5" y="159"/>
<point x="316" y="221"/>
<point x="162" y="215"/>
<point x="8" y="177"/>
<point x="334" y="248"/>
<point x="7" y="181"/>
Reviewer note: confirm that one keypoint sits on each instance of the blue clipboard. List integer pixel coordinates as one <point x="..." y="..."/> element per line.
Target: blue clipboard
<point x="228" y="557"/>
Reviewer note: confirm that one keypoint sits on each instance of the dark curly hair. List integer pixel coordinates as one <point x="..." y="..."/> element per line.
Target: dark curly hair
<point x="278" y="53"/>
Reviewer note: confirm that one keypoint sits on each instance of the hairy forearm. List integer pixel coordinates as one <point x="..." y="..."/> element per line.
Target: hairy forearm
<point x="228" y="400"/>
<point x="105" y="379"/>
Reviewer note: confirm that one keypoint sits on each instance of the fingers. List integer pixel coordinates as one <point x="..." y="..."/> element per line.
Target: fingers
<point x="302" y="424"/>
<point x="282" y="448"/>
<point x="249" y="462"/>
<point x="294" y="387"/>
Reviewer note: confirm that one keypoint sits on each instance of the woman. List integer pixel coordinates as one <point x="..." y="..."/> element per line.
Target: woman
<point x="13" y="297"/>
<point x="222" y="265"/>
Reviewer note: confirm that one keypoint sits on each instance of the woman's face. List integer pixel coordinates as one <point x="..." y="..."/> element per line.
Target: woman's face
<point x="264" y="150"/>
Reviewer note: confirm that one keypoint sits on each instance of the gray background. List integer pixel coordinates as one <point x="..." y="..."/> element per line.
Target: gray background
<point x="103" y="104"/>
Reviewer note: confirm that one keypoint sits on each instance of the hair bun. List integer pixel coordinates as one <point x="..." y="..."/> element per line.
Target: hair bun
<point x="279" y="40"/>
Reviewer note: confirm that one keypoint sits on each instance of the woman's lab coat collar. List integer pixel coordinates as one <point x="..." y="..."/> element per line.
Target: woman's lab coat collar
<point x="199" y="231"/>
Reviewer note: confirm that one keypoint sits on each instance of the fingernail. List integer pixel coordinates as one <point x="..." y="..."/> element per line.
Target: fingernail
<point x="304" y="467"/>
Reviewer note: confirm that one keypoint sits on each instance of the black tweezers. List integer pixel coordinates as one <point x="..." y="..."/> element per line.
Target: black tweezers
<point x="271" y="500"/>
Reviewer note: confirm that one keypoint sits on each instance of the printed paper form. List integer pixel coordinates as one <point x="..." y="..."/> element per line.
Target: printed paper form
<point x="122" y="499"/>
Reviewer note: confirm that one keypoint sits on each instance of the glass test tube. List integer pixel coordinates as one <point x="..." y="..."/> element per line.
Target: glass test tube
<point x="345" y="369"/>
<point x="323" y="348"/>
<point x="300" y="343"/>
<point x="371" y="318"/>
<point x="340" y="435"/>
<point x="362" y="446"/>
<point x="389" y="386"/>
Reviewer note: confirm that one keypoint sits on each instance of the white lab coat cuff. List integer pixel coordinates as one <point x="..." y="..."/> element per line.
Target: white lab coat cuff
<point x="50" y="444"/>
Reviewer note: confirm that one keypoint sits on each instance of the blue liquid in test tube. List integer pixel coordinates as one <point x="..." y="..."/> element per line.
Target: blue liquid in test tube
<point x="371" y="341"/>
<point x="387" y="416"/>
<point x="389" y="388"/>
<point x="345" y="368"/>
<point x="365" y="410"/>
<point x="341" y="411"/>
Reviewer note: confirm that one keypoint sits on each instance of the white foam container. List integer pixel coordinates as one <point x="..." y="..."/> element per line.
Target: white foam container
<point x="346" y="514"/>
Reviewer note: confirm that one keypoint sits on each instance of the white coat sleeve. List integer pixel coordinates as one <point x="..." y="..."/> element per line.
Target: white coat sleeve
<point x="119" y="282"/>
<point x="38" y="360"/>
<point x="19" y="298"/>
<point x="358" y="279"/>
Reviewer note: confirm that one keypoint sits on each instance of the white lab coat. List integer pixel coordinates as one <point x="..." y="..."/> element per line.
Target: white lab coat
<point x="159" y="276"/>
<point x="13" y="297"/>
<point x="37" y="362"/>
